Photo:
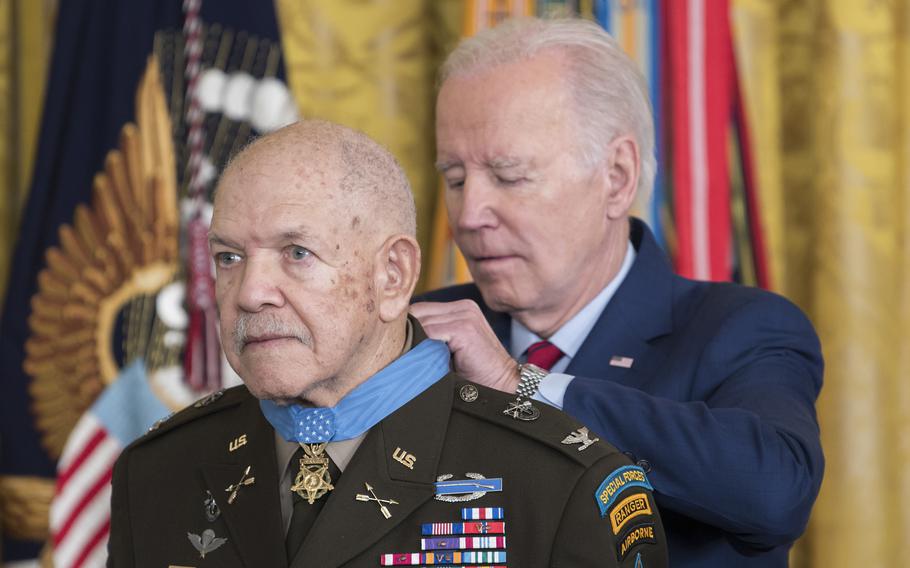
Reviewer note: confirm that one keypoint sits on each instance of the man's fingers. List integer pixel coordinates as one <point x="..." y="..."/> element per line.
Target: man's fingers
<point x="457" y="325"/>
<point x="477" y="352"/>
<point x="455" y="331"/>
<point x="424" y="309"/>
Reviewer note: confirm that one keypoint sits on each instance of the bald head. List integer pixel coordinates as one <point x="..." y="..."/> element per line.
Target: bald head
<point x="350" y="166"/>
<point x="313" y="241"/>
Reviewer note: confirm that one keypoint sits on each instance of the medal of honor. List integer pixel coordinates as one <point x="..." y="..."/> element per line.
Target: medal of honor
<point x="313" y="480"/>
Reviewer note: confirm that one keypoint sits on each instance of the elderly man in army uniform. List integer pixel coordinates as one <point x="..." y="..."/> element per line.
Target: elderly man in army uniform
<point x="351" y="443"/>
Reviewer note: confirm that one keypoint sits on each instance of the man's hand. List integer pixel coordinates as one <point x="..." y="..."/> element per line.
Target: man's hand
<point x="478" y="354"/>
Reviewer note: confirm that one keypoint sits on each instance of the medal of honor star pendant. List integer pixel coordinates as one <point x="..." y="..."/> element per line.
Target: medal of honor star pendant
<point x="313" y="480"/>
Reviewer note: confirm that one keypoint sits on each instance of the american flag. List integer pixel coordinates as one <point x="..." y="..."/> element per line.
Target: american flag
<point x="620" y="361"/>
<point x="80" y="512"/>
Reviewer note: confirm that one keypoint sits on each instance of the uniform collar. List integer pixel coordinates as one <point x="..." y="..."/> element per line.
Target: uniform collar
<point x="374" y="399"/>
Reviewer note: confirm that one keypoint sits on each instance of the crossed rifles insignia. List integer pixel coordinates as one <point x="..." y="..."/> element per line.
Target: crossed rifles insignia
<point x="313" y="480"/>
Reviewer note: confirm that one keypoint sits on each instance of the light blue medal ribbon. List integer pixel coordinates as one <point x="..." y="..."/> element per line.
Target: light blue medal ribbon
<point x="371" y="401"/>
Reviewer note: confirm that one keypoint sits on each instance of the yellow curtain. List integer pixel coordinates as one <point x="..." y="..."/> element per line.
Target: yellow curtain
<point x="828" y="94"/>
<point x="372" y="66"/>
<point x="26" y="32"/>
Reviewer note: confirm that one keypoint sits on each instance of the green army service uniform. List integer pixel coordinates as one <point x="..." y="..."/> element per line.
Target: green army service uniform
<point x="572" y="504"/>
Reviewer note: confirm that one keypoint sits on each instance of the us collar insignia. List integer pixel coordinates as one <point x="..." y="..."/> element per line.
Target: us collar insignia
<point x="404" y="458"/>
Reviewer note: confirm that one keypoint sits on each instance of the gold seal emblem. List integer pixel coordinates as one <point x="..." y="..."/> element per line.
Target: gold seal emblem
<point x="313" y="480"/>
<point x="116" y="254"/>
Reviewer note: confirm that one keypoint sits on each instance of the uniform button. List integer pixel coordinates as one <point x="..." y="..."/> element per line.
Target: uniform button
<point x="645" y="465"/>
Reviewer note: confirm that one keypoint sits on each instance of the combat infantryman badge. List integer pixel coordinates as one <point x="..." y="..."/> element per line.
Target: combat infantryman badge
<point x="313" y="480"/>
<point x="456" y="491"/>
<point x="205" y="543"/>
<point x="580" y="436"/>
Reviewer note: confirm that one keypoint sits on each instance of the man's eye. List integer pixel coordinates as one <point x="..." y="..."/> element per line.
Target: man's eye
<point x="226" y="259"/>
<point x="455" y="183"/>
<point x="508" y="181"/>
<point x="298" y="253"/>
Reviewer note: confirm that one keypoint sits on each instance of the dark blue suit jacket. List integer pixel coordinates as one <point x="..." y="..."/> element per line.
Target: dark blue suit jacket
<point x="719" y="402"/>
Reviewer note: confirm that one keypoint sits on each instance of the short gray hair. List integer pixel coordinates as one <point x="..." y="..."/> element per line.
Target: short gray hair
<point x="610" y="91"/>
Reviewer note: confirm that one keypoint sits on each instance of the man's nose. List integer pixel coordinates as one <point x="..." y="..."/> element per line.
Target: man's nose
<point x="474" y="206"/>
<point x="260" y="286"/>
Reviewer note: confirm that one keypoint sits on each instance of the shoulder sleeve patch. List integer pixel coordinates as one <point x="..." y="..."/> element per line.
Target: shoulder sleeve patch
<point x="639" y="534"/>
<point x="619" y="480"/>
<point x="634" y="505"/>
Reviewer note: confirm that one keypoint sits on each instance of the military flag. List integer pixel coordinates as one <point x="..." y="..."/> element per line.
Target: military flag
<point x="704" y="206"/>
<point x="98" y="272"/>
<point x="637" y="27"/>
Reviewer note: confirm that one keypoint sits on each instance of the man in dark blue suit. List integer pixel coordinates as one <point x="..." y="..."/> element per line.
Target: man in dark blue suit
<point x="544" y="136"/>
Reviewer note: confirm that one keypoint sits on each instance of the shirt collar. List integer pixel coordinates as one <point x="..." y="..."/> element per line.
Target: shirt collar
<point x="572" y="334"/>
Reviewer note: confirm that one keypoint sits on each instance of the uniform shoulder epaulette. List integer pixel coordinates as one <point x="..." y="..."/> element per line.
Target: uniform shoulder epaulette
<point x="209" y="404"/>
<point x="533" y="419"/>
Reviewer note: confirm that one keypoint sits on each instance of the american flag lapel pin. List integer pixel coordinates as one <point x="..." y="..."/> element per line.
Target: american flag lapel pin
<point x="620" y="361"/>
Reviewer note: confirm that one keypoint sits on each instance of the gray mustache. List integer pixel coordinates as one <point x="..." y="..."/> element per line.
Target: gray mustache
<point x="259" y="324"/>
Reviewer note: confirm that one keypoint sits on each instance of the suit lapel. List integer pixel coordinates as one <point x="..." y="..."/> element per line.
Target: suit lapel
<point x="346" y="527"/>
<point x="253" y="520"/>
<point x="640" y="311"/>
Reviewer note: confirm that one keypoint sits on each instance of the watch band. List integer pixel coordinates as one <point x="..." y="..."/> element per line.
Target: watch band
<point x="530" y="376"/>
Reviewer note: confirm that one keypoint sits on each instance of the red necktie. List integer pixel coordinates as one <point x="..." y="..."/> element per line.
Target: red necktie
<point x="544" y="354"/>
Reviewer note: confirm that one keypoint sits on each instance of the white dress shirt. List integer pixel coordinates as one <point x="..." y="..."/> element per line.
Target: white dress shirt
<point x="569" y="337"/>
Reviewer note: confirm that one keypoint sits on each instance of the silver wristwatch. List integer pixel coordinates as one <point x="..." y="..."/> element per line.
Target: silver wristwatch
<point x="530" y="376"/>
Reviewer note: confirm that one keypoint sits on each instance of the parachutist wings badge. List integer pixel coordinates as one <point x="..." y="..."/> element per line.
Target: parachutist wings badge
<point x="205" y="543"/>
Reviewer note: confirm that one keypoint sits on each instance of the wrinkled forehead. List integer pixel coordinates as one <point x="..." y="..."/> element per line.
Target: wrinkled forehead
<point x="272" y="172"/>
<point x="274" y="202"/>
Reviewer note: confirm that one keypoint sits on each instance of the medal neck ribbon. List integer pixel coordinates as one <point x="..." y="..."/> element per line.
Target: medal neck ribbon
<point x="371" y="401"/>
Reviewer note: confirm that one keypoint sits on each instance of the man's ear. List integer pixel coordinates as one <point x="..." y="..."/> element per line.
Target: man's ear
<point x="398" y="268"/>
<point x="622" y="171"/>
